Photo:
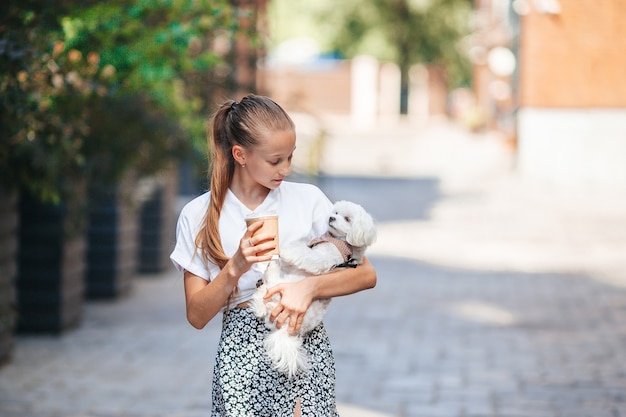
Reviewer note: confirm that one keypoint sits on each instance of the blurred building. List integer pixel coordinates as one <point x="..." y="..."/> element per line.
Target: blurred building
<point x="365" y="90"/>
<point x="550" y="75"/>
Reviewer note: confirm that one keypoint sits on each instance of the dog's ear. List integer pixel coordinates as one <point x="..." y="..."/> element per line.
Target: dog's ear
<point x="363" y="230"/>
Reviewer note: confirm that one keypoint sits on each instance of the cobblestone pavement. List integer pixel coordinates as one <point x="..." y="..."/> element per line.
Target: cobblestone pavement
<point x="495" y="299"/>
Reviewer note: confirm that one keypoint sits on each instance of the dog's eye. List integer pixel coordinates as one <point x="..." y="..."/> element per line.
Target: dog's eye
<point x="347" y="218"/>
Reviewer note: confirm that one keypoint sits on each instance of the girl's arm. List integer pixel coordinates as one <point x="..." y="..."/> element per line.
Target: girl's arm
<point x="297" y="297"/>
<point x="204" y="299"/>
<point x="345" y="281"/>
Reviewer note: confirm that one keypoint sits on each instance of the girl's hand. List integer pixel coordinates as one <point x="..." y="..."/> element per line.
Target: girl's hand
<point x="295" y="299"/>
<point x="249" y="246"/>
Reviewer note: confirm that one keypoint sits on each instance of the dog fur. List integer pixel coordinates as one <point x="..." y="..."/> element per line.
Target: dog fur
<point x="348" y="222"/>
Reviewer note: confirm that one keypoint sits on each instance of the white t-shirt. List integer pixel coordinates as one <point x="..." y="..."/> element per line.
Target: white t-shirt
<point x="303" y="212"/>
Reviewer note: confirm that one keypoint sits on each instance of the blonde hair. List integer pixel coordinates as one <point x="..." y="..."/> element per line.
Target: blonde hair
<point x="234" y="123"/>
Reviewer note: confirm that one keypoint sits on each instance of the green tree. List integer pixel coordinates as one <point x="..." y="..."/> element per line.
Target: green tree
<point x="405" y="31"/>
<point x="169" y="49"/>
<point x="42" y="121"/>
<point x="92" y="89"/>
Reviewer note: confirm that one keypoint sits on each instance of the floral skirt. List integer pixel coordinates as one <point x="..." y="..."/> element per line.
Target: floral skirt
<point x="245" y="385"/>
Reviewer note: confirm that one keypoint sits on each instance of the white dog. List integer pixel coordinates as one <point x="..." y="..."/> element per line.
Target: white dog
<point x="350" y="231"/>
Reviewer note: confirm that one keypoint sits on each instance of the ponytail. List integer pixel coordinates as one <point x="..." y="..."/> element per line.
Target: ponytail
<point x="221" y="172"/>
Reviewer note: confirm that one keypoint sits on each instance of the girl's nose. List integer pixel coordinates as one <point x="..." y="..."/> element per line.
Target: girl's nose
<point x="285" y="169"/>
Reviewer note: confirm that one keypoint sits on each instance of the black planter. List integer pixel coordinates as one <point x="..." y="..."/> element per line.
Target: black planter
<point x="8" y="268"/>
<point x="51" y="266"/>
<point x="151" y="258"/>
<point x="157" y="219"/>
<point x="111" y="243"/>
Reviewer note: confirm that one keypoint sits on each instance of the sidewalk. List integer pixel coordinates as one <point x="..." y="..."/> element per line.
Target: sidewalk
<point x="496" y="298"/>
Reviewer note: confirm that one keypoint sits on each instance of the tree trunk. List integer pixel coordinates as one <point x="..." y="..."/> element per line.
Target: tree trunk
<point x="404" y="89"/>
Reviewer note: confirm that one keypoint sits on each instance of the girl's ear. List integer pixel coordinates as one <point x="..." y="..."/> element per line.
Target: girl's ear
<point x="239" y="154"/>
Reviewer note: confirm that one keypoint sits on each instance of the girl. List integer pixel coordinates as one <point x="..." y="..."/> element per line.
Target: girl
<point x="252" y="143"/>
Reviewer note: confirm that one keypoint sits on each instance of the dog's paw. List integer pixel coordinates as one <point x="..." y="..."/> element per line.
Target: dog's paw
<point x="292" y="255"/>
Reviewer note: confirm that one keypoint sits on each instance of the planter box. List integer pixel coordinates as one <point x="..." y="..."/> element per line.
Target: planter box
<point x="111" y="242"/>
<point x="157" y="219"/>
<point x="151" y="233"/>
<point x="51" y="266"/>
<point x="8" y="270"/>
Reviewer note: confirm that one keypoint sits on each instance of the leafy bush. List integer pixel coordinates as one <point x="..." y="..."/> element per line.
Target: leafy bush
<point x="94" y="89"/>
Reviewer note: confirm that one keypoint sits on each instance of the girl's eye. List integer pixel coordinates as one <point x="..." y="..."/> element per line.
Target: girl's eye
<point x="278" y="161"/>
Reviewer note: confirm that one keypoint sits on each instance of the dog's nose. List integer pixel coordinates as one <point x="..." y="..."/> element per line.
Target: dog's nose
<point x="331" y="219"/>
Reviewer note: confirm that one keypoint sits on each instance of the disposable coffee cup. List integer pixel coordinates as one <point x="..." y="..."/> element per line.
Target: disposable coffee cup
<point x="270" y="226"/>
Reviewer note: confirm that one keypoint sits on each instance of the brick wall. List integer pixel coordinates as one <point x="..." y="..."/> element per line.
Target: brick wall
<point x="574" y="59"/>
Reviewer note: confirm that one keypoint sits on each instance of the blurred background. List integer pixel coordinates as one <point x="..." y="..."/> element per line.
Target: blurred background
<point x="484" y="134"/>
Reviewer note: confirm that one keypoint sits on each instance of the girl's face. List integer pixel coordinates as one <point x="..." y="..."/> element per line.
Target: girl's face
<point x="269" y="162"/>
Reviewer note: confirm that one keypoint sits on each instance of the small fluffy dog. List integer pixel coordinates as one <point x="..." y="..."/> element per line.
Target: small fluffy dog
<point x="350" y="231"/>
